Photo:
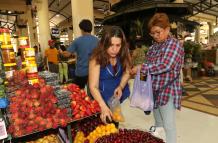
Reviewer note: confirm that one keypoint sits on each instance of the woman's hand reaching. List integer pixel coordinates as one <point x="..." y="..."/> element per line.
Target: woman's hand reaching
<point x="106" y="114"/>
<point x="134" y="69"/>
<point x="118" y="92"/>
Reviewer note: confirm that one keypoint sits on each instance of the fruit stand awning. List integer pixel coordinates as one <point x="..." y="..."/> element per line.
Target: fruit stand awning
<point x="148" y="8"/>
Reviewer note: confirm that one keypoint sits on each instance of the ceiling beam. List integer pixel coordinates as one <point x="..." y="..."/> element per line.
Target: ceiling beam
<point x="59" y="11"/>
<point x="106" y="1"/>
<point x="11" y="14"/>
<point x="51" y="3"/>
<point x="13" y="5"/>
<point x="198" y="7"/>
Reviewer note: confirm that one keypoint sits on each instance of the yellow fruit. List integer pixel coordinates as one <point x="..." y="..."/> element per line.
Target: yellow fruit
<point x="45" y="141"/>
<point x="117" y="110"/>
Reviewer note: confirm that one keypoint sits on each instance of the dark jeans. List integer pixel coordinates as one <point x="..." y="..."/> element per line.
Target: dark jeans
<point x="81" y="81"/>
<point x="53" y="67"/>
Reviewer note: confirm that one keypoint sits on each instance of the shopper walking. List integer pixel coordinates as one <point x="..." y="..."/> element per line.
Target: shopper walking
<point x="109" y="69"/>
<point x="83" y="47"/>
<point x="164" y="62"/>
<point x="63" y="66"/>
<point x="51" y="57"/>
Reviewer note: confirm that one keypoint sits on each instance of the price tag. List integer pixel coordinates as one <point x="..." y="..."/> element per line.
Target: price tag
<point x="3" y="132"/>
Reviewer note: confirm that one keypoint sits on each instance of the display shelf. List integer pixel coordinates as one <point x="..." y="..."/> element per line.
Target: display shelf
<point x="49" y="131"/>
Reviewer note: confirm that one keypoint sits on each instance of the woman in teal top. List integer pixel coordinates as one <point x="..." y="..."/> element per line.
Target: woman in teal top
<point x="109" y="69"/>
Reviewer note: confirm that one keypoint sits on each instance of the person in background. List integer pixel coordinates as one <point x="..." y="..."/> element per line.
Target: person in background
<point x="19" y="59"/>
<point x="109" y="69"/>
<point x="63" y="66"/>
<point x="39" y="59"/>
<point x="83" y="47"/>
<point x="164" y="62"/>
<point x="51" y="57"/>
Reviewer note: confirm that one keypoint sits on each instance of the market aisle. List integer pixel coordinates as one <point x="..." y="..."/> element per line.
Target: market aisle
<point x="192" y="126"/>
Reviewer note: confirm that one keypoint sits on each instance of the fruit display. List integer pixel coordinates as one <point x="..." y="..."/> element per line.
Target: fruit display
<point x="64" y="100"/>
<point x="46" y="139"/>
<point x="80" y="137"/>
<point x="19" y="80"/>
<point x="33" y="109"/>
<point x="50" y="78"/>
<point x="129" y="136"/>
<point x="99" y="131"/>
<point x="88" y="125"/>
<point x="81" y="104"/>
<point x="2" y="76"/>
<point x="2" y="88"/>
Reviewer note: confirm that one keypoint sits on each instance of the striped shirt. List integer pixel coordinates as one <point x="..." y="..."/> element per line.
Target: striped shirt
<point x="164" y="61"/>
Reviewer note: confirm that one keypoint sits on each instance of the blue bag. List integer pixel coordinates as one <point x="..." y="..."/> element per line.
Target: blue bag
<point x="4" y="102"/>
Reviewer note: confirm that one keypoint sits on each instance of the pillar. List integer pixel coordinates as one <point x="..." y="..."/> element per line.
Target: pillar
<point x="30" y="27"/>
<point x="81" y="9"/>
<point x="216" y="56"/>
<point x="44" y="28"/>
<point x="211" y="28"/>
<point x="197" y="34"/>
<point x="70" y="35"/>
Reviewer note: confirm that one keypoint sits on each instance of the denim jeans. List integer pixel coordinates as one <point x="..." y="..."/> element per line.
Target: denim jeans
<point x="165" y="117"/>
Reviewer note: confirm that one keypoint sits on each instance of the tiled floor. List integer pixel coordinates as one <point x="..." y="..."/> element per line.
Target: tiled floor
<point x="202" y="95"/>
<point x="192" y="126"/>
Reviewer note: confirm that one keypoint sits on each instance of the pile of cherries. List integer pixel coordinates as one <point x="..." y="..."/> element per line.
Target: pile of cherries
<point x="129" y="136"/>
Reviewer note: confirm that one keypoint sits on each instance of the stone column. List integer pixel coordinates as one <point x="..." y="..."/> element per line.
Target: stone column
<point x="44" y="28"/>
<point x="30" y="27"/>
<point x="70" y="35"/>
<point x="211" y="28"/>
<point x="81" y="9"/>
<point x="197" y="34"/>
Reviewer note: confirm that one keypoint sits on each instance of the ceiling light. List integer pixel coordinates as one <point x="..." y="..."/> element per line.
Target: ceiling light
<point x="57" y="15"/>
<point x="9" y="11"/>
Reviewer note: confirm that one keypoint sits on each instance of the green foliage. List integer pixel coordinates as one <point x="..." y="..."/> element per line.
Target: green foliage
<point x="191" y="49"/>
<point x="136" y="28"/>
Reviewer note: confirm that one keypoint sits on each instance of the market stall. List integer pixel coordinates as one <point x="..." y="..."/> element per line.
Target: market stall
<point x="40" y="110"/>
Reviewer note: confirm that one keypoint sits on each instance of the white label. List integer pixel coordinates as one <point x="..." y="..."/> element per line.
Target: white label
<point x="23" y="42"/>
<point x="30" y="53"/>
<point x="3" y="132"/>
<point x="9" y="74"/>
<point x="32" y="69"/>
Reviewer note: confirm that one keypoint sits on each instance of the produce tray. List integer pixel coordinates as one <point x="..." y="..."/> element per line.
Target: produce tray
<point x="34" y="135"/>
<point x="51" y="129"/>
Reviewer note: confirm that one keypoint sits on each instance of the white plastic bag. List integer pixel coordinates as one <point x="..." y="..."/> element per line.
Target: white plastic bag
<point x="115" y="107"/>
<point x="142" y="95"/>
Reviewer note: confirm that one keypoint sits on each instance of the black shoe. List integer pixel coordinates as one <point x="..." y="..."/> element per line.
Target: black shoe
<point x="147" y="112"/>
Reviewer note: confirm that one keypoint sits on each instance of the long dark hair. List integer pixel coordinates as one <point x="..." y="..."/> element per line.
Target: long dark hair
<point x="100" y="53"/>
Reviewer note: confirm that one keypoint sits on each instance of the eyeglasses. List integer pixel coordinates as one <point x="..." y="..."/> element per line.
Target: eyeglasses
<point x="157" y="32"/>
